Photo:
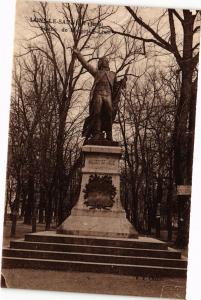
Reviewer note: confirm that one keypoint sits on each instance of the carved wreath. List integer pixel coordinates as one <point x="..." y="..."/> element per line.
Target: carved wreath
<point x="99" y="192"/>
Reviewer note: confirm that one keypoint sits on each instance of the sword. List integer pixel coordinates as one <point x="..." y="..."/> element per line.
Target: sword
<point x="116" y="96"/>
<point x="122" y="81"/>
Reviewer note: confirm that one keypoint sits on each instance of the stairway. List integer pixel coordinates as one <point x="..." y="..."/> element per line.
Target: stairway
<point x="138" y="257"/>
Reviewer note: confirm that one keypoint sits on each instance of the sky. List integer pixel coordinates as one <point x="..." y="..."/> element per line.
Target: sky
<point x="24" y="11"/>
<point x="23" y="31"/>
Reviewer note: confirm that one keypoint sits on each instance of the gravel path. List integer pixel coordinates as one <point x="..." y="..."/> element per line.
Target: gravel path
<point x="94" y="283"/>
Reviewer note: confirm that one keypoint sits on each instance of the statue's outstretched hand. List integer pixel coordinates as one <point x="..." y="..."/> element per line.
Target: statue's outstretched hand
<point x="84" y="63"/>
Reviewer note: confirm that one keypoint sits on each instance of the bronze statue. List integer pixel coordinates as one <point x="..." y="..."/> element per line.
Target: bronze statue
<point x="104" y="98"/>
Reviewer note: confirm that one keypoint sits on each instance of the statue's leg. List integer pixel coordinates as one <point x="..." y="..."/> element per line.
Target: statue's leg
<point x="108" y="105"/>
<point x="97" y="116"/>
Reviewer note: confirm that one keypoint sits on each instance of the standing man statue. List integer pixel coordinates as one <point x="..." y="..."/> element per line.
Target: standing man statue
<point x="104" y="98"/>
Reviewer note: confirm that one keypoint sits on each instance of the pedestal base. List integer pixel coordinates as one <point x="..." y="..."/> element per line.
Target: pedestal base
<point x="93" y="221"/>
<point x="98" y="223"/>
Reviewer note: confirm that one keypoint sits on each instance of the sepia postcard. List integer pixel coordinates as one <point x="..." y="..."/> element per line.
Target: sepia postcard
<point x="100" y="149"/>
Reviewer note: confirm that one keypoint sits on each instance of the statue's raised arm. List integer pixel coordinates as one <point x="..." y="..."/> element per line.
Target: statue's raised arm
<point x="85" y="64"/>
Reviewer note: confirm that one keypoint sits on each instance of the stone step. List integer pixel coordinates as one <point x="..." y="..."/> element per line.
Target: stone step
<point x="59" y="247"/>
<point x="101" y="258"/>
<point x="123" y="269"/>
<point x="98" y="241"/>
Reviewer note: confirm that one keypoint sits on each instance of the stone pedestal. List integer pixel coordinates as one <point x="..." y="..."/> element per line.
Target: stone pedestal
<point x="84" y="220"/>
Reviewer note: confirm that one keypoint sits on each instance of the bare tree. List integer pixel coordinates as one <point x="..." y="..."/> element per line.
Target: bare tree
<point x="186" y="56"/>
<point x="146" y="121"/>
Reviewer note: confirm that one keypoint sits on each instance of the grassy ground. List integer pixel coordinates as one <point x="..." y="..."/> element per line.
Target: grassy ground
<point x="21" y="230"/>
<point x="85" y="282"/>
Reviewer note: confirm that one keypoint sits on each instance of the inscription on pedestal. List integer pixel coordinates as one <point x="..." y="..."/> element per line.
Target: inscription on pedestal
<point x="101" y="163"/>
<point x="98" y="162"/>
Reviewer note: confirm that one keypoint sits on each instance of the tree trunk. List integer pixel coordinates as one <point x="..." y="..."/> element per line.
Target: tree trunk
<point x="6" y="211"/>
<point x="15" y="208"/>
<point x="183" y="149"/>
<point x="170" y="194"/>
<point x="48" y="211"/>
<point x="41" y="215"/>
<point x="59" y="169"/>
<point x="159" y="196"/>
<point x="27" y="213"/>
<point x="42" y="206"/>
